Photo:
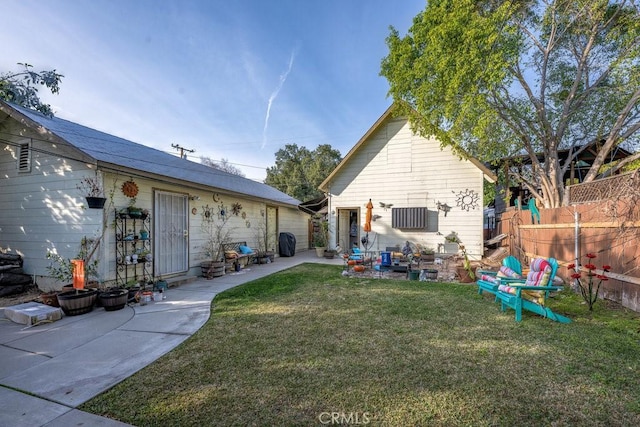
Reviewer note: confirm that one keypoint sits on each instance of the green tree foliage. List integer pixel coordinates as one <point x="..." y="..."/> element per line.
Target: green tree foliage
<point x="298" y="172"/>
<point x="22" y="87"/>
<point x="500" y="78"/>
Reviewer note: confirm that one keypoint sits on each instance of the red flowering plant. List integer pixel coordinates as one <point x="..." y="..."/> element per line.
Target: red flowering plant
<point x="588" y="288"/>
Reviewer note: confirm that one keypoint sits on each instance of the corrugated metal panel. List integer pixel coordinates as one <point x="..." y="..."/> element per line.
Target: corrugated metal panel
<point x="409" y="218"/>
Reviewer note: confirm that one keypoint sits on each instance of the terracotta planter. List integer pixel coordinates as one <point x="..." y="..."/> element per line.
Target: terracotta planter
<point x="50" y="298"/>
<point x="463" y="275"/>
<point x="79" y="301"/>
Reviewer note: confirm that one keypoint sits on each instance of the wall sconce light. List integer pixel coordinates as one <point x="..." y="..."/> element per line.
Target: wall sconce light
<point x="194" y="198"/>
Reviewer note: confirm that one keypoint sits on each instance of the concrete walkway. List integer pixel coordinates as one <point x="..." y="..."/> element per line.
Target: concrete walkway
<point x="46" y="371"/>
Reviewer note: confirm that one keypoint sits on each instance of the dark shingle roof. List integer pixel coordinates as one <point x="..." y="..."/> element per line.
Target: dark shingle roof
<point x="117" y="151"/>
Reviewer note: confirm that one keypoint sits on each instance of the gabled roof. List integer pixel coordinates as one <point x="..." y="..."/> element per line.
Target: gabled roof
<point x="112" y="152"/>
<point x="388" y="113"/>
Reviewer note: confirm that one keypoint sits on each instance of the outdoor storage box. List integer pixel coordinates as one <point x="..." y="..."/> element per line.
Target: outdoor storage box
<point x="32" y="313"/>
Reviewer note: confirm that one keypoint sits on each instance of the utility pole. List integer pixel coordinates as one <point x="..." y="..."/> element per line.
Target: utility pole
<point x="182" y="150"/>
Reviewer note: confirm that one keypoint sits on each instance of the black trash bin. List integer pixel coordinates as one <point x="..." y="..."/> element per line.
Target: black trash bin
<point x="287" y="243"/>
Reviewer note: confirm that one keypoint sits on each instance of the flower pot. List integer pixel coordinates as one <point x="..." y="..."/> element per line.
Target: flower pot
<point x="114" y="299"/>
<point x="96" y="202"/>
<point x="429" y="274"/>
<point x="329" y="253"/>
<point x="79" y="301"/>
<point x="428" y="257"/>
<point x="211" y="269"/>
<point x="320" y="251"/>
<point x="464" y="276"/>
<point x="414" y="274"/>
<point x="451" y="248"/>
<point x="50" y="298"/>
<point x="133" y="293"/>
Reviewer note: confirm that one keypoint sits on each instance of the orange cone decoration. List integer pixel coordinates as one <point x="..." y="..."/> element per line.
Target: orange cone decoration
<point x="78" y="273"/>
<point x="367" y="221"/>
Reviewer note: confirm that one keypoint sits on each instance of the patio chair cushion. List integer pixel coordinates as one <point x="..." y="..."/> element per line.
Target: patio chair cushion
<point x="231" y="254"/>
<point x="245" y="249"/>
<point x="539" y="275"/>
<point x="508" y="272"/>
<point x="489" y="278"/>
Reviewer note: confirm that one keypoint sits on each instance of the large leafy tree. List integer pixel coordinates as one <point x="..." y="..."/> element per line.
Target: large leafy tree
<point x="501" y="78"/>
<point x="298" y="172"/>
<point x="21" y="87"/>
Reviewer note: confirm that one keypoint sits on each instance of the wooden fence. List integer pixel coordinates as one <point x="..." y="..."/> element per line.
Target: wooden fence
<point x="609" y="229"/>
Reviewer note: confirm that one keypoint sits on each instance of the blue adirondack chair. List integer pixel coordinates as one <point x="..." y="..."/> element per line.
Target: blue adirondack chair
<point x="531" y="294"/>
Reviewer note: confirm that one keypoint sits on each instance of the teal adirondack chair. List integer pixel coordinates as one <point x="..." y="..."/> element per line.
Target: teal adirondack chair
<point x="531" y="294"/>
<point x="488" y="281"/>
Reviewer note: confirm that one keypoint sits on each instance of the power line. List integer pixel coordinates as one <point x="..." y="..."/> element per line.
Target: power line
<point x="182" y="150"/>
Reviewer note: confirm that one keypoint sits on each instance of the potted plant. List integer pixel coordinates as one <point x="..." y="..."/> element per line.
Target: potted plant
<point x="466" y="271"/>
<point x="113" y="298"/>
<point x="75" y="301"/>
<point x="265" y="252"/>
<point x="451" y="243"/>
<point x="93" y="192"/>
<point x="321" y="237"/>
<point x="133" y="211"/>
<point x="217" y="233"/>
<point x="427" y="254"/>
<point x="330" y="253"/>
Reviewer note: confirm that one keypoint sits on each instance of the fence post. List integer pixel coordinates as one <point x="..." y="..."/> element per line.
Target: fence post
<point x="576" y="218"/>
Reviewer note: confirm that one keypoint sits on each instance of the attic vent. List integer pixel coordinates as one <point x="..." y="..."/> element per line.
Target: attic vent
<point x="409" y="217"/>
<point x="24" y="157"/>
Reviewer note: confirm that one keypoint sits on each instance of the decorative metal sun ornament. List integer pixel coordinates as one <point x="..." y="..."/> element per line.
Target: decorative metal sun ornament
<point x="130" y="189"/>
<point x="467" y="199"/>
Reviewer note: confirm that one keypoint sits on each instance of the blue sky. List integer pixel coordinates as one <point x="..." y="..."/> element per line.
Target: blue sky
<point x="235" y="79"/>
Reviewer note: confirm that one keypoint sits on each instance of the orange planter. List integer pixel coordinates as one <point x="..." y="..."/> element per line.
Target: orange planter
<point x="358" y="268"/>
<point x="351" y="262"/>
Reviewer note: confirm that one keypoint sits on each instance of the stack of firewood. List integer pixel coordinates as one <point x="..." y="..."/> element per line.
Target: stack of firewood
<point x="12" y="277"/>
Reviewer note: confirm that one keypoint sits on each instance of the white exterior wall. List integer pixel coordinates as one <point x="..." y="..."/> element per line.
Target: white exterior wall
<point x="296" y="222"/>
<point x="394" y="166"/>
<point x="43" y="210"/>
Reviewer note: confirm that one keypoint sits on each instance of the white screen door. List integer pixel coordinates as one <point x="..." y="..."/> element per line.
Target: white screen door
<point x="171" y="233"/>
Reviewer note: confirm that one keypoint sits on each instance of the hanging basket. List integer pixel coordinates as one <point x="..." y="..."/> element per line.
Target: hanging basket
<point x="96" y="202"/>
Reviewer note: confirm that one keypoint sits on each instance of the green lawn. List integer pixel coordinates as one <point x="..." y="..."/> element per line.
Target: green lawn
<point x="297" y="346"/>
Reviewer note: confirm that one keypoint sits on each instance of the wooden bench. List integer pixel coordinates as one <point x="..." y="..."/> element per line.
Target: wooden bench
<point x="238" y="256"/>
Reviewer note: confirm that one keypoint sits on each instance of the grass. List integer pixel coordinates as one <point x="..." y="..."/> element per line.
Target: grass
<point x="297" y="346"/>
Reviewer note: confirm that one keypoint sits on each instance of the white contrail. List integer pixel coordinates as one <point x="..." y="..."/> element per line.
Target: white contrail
<point x="274" y="94"/>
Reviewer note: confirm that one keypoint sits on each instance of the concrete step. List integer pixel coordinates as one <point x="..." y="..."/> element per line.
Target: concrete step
<point x="180" y="280"/>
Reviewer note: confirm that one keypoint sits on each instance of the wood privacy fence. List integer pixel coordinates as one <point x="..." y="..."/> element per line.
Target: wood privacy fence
<point x="607" y="228"/>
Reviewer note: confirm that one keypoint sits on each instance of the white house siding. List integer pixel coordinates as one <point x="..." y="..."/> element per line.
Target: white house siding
<point x="242" y="229"/>
<point x="394" y="166"/>
<point x="296" y="222"/>
<point x="42" y="209"/>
